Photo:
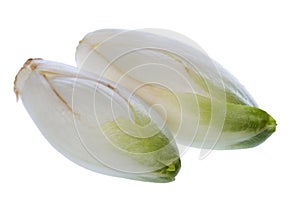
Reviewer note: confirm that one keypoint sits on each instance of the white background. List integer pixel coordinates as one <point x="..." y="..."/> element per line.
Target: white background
<point x="258" y="41"/>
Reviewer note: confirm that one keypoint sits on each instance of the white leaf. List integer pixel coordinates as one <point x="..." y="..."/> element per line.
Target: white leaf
<point x="196" y="96"/>
<point x="96" y="124"/>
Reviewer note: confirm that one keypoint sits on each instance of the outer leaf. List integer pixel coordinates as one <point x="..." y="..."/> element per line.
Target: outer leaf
<point x="96" y="124"/>
<point x="202" y="102"/>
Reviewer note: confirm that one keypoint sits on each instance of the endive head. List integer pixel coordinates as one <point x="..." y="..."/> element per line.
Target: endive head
<point x="97" y="124"/>
<point x="203" y="104"/>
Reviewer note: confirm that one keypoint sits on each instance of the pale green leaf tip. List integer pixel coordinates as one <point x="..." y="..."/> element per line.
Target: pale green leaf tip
<point x="166" y="174"/>
<point x="158" y="146"/>
<point x="269" y="128"/>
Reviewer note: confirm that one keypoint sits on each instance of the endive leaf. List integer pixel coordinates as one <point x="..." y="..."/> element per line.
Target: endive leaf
<point x="203" y="104"/>
<point x="137" y="53"/>
<point x="97" y="124"/>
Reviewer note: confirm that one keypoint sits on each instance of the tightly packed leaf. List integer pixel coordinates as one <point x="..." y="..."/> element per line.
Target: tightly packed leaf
<point x="203" y="104"/>
<point x="136" y="101"/>
<point x="97" y="124"/>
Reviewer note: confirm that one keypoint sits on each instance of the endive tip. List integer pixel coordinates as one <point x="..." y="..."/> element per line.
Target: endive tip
<point x="271" y="125"/>
<point x="166" y="174"/>
<point x="28" y="65"/>
<point x="267" y="131"/>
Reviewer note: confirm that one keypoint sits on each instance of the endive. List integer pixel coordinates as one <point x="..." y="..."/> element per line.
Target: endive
<point x="97" y="124"/>
<point x="203" y="104"/>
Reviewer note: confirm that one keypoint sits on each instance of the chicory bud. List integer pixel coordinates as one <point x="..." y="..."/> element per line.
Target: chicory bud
<point x="97" y="124"/>
<point x="202" y="103"/>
